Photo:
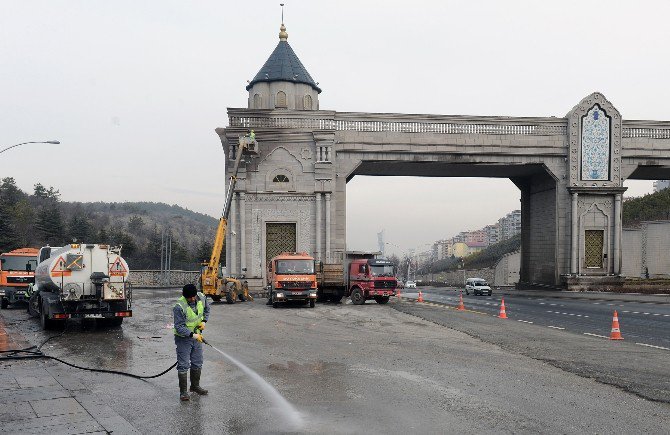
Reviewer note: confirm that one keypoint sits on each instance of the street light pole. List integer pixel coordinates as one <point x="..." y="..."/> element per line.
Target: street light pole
<point x="53" y="142"/>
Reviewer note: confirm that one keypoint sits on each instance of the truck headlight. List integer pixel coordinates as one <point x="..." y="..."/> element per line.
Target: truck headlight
<point x="312" y="294"/>
<point x="279" y="295"/>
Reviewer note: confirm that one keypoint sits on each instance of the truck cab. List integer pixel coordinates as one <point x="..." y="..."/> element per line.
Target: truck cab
<point x="291" y="277"/>
<point x="371" y="278"/>
<point x="17" y="273"/>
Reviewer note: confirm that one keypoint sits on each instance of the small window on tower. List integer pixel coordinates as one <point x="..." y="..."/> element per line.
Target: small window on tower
<point x="257" y="101"/>
<point x="307" y="102"/>
<point x="281" y="100"/>
<point x="281" y="178"/>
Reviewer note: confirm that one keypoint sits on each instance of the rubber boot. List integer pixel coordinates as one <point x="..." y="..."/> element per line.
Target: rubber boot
<point x="183" y="385"/>
<point x="195" y="382"/>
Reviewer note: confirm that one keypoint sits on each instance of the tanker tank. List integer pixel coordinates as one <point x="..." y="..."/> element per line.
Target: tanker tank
<point x="81" y="281"/>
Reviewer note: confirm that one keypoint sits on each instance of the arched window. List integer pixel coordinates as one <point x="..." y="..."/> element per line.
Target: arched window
<point x="257" y="101"/>
<point x="281" y="178"/>
<point x="281" y="100"/>
<point x="307" y="102"/>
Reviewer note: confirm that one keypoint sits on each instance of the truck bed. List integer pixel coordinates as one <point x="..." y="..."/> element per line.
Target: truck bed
<point x="332" y="276"/>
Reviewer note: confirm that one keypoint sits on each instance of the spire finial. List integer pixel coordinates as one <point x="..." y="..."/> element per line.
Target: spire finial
<point x="283" y="36"/>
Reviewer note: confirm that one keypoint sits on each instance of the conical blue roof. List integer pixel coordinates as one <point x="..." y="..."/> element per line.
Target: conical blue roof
<point x="284" y="65"/>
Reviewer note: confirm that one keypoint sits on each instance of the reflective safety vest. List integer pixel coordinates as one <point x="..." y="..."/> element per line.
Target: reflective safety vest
<point x="193" y="318"/>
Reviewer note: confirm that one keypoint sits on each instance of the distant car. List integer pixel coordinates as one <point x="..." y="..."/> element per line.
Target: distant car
<point x="477" y="286"/>
<point x="410" y="284"/>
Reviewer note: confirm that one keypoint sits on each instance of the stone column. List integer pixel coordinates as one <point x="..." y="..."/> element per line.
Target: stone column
<point x="574" y="248"/>
<point x="617" y="234"/>
<point x="242" y="233"/>
<point x="319" y="226"/>
<point x="328" y="227"/>
<point x="231" y="262"/>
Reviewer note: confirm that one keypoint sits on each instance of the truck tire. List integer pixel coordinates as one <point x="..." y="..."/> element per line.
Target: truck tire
<point x="312" y="302"/>
<point x="382" y="299"/>
<point x="48" y="324"/>
<point x="34" y="305"/>
<point x="357" y="297"/>
<point x="216" y="298"/>
<point x="230" y="297"/>
<point x="4" y="304"/>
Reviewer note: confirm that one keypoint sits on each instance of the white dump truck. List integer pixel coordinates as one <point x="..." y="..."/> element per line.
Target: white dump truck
<point x="80" y="281"/>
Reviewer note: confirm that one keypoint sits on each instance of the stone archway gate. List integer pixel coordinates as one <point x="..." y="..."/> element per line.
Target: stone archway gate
<point x="570" y="173"/>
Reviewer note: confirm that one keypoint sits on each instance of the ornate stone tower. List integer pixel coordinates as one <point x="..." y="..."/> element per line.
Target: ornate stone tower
<point x="283" y="82"/>
<point x="281" y="201"/>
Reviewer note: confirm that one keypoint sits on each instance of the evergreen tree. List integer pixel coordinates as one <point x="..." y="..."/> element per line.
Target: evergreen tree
<point x="80" y="228"/>
<point x="7" y="235"/>
<point x="23" y="217"/>
<point x="50" y="226"/>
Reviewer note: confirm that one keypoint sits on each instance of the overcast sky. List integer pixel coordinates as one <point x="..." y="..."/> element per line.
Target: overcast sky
<point x="134" y="90"/>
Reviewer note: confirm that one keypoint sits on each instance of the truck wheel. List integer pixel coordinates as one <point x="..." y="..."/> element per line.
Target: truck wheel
<point x="33" y="306"/>
<point x="230" y="297"/>
<point x="312" y="302"/>
<point x="241" y="297"/>
<point x="357" y="297"/>
<point x="382" y="299"/>
<point x="216" y="298"/>
<point x="4" y="303"/>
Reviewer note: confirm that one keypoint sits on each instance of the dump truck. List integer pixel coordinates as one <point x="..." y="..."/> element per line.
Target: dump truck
<point x="360" y="275"/>
<point x="212" y="282"/>
<point x="17" y="272"/>
<point x="291" y="277"/>
<point x="85" y="281"/>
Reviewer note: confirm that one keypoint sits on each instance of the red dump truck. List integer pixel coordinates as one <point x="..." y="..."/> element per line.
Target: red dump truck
<point x="360" y="275"/>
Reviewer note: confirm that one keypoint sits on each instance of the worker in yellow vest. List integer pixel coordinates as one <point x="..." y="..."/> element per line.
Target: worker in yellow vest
<point x="191" y="312"/>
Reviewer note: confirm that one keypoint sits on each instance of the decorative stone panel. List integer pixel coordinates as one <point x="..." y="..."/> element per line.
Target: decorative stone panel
<point x="594" y="130"/>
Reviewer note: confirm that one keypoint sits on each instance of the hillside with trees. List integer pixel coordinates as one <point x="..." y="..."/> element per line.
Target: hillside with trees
<point x="651" y="207"/>
<point x="41" y="218"/>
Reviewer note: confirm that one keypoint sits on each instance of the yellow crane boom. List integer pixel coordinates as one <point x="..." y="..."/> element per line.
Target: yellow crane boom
<point x="212" y="282"/>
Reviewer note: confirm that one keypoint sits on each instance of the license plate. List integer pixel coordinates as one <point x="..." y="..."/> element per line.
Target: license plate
<point x="296" y="293"/>
<point x="93" y="316"/>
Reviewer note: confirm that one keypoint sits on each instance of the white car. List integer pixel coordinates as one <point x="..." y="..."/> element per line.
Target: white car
<point x="477" y="286"/>
<point x="410" y="284"/>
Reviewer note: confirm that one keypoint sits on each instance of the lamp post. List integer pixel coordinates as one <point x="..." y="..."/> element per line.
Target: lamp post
<point x="53" y="142"/>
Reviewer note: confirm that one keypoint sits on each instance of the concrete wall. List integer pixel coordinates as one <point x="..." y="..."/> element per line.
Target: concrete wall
<point x="646" y="249"/>
<point x="154" y="278"/>
<point x="506" y="271"/>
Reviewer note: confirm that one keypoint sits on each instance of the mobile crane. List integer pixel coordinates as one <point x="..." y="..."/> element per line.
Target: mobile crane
<point x="212" y="281"/>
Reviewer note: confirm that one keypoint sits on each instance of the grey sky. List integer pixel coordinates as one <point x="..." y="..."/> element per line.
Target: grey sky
<point x="134" y="89"/>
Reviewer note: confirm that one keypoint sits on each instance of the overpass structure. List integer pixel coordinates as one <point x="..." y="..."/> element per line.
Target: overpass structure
<point x="569" y="170"/>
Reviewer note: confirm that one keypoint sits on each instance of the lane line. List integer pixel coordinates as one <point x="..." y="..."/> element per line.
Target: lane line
<point x="524" y="321"/>
<point x="595" y="335"/>
<point x="555" y="327"/>
<point x="655" y="347"/>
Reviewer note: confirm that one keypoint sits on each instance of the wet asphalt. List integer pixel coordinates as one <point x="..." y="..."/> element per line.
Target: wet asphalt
<point x="344" y="368"/>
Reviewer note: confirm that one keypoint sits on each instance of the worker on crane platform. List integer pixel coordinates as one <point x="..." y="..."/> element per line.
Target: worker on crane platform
<point x="190" y="315"/>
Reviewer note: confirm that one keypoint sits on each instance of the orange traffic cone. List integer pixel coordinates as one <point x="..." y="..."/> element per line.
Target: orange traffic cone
<point x="397" y="293"/>
<point x="503" y="314"/>
<point x="616" y="332"/>
<point x="420" y="297"/>
<point x="461" y="307"/>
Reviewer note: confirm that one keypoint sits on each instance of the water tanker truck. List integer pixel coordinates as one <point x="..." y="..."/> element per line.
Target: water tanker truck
<point x="80" y="281"/>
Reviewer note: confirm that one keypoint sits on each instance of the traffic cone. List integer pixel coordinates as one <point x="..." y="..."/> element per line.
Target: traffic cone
<point x="397" y="293"/>
<point x="420" y="297"/>
<point x="503" y="314"/>
<point x="616" y="332"/>
<point x="461" y="307"/>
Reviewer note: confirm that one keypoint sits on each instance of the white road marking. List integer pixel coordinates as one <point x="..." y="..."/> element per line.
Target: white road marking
<point x="635" y="312"/>
<point x="553" y="305"/>
<point x="646" y="314"/>
<point x="524" y="321"/>
<point x="657" y="314"/>
<point x="542" y="303"/>
<point x="625" y="311"/>
<point x="595" y="335"/>
<point x="555" y="327"/>
<point x="651" y="345"/>
<point x="666" y="315"/>
<point x="596" y="303"/>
